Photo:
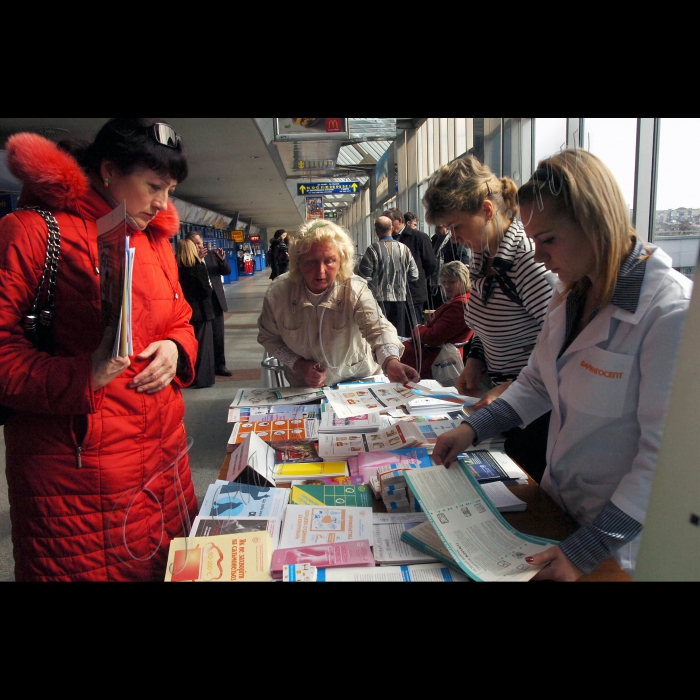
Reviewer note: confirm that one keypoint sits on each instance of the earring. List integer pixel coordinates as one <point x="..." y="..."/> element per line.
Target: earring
<point x="106" y="181"/>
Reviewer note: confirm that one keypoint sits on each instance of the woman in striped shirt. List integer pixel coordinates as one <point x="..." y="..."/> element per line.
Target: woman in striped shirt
<point x="510" y="291"/>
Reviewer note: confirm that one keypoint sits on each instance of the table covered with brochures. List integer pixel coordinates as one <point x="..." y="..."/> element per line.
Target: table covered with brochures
<point x="338" y="484"/>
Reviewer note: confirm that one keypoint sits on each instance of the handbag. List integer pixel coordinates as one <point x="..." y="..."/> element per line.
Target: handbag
<point x="38" y="320"/>
<point x="448" y="365"/>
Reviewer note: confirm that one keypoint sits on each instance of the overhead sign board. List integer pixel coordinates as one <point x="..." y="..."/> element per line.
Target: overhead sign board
<point x="311" y="128"/>
<point x="237" y="236"/>
<point x="307" y="188"/>
<point x="330" y="214"/>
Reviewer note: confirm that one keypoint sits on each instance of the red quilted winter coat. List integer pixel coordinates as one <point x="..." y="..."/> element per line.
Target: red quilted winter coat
<point x="106" y="511"/>
<point x="446" y="325"/>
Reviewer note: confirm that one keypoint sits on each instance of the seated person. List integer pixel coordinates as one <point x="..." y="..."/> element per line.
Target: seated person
<point x="322" y="322"/>
<point x="446" y="325"/>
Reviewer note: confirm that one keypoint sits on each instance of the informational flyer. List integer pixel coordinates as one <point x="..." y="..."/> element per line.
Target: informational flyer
<point x="354" y="401"/>
<point x="246" y="398"/>
<point x="475" y="534"/>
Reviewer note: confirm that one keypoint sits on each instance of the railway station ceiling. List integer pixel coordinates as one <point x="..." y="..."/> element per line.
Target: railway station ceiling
<point x="239" y="168"/>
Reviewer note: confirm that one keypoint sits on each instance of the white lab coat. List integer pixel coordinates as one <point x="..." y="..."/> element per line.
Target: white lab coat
<point x="608" y="394"/>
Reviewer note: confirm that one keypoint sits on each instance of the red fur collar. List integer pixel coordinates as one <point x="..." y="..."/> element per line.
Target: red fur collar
<point x="53" y="177"/>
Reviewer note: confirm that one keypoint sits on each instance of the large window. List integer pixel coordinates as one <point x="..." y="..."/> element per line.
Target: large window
<point x="614" y="141"/>
<point x="676" y="222"/>
<point x="550" y="137"/>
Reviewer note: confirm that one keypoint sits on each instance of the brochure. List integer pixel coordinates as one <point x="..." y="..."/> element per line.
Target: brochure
<point x="208" y="526"/>
<point x="393" y="574"/>
<point x="253" y="462"/>
<point x="252" y="414"/>
<point x="224" y="499"/>
<point x="389" y="548"/>
<point x="240" y="557"/>
<point x="116" y="265"/>
<point x="248" y="398"/>
<point x="398" y="436"/>
<point x="325" y="525"/>
<point x="477" y="537"/>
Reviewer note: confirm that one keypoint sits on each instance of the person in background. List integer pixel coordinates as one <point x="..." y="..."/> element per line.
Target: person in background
<point x="97" y="468"/>
<point x="447" y="325"/>
<point x="446" y="250"/>
<point x="282" y="254"/>
<point x="272" y="253"/>
<point x="196" y="286"/>
<point x="510" y="290"/>
<point x="418" y="243"/>
<point x="411" y="220"/>
<point x="216" y="266"/>
<point x="322" y="322"/>
<point x="603" y="364"/>
<point x="388" y="265"/>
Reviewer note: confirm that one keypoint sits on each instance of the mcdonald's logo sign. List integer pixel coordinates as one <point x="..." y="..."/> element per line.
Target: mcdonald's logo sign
<point x="334" y="125"/>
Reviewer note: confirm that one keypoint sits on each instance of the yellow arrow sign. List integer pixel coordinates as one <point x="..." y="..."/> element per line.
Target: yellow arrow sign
<point x="303" y="189"/>
<point x="354" y="187"/>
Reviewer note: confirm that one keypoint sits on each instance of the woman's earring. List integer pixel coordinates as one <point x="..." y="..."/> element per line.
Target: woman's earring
<point x="106" y="181"/>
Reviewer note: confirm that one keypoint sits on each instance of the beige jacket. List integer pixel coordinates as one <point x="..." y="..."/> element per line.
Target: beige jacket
<point x="341" y="333"/>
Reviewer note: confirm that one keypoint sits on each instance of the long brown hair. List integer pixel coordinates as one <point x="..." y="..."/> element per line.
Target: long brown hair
<point x="582" y="187"/>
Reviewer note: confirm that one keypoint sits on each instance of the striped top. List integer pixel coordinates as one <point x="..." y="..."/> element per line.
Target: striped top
<point x="507" y="308"/>
<point x="386" y="266"/>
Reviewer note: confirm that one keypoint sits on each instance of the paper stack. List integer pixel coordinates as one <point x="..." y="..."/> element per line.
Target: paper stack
<point x="395" y="494"/>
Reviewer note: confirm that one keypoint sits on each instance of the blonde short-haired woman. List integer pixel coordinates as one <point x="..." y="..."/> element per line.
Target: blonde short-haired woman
<point x="321" y="321"/>
<point x="603" y="364"/>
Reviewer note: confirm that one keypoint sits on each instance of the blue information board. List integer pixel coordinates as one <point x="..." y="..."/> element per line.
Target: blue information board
<point x="306" y="188"/>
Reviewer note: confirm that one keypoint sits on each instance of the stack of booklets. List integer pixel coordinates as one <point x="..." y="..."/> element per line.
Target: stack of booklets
<point x="336" y="554"/>
<point x="395" y="494"/>
<point x="398" y="436"/>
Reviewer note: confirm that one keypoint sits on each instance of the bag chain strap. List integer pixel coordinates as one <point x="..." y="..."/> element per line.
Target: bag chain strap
<point x="50" y="273"/>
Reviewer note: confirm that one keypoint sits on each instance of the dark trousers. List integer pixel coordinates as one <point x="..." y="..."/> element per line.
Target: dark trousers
<point x="204" y="368"/>
<point x="528" y="446"/>
<point x="217" y="327"/>
<point x="395" y="312"/>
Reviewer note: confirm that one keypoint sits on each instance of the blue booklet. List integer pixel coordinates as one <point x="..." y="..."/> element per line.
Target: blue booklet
<point x="483" y="466"/>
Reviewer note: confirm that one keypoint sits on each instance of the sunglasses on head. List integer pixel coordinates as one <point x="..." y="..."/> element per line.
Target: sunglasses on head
<point x="165" y="135"/>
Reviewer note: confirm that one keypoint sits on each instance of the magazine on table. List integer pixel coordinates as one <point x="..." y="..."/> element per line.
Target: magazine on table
<point x="485" y="546"/>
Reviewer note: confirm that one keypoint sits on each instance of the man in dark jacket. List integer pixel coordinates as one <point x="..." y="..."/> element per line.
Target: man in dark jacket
<point x="217" y="265"/>
<point x="419" y="244"/>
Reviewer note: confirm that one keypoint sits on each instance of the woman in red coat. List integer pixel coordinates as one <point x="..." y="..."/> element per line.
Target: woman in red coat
<point x="98" y="476"/>
<point x="446" y="325"/>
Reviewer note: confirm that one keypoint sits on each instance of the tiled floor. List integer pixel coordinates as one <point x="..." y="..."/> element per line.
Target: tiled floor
<point x="206" y="409"/>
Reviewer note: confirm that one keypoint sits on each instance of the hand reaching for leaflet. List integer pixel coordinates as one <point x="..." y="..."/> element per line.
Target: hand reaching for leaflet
<point x="491" y="396"/>
<point x="104" y="368"/>
<point x="452" y="443"/>
<point x="398" y="372"/>
<point x="161" y="370"/>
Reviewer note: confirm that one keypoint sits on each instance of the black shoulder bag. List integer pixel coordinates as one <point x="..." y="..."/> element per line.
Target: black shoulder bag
<point x="38" y="320"/>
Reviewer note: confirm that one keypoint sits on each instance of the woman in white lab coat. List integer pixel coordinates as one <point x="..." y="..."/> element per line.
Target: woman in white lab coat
<point x="603" y="364"/>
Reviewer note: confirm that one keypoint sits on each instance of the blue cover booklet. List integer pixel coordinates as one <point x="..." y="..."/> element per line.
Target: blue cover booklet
<point x="483" y="466"/>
